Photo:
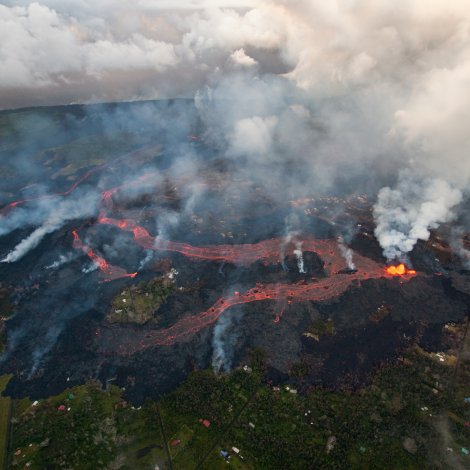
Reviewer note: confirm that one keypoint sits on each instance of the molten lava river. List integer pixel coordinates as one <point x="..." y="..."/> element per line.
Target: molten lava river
<point x="338" y="279"/>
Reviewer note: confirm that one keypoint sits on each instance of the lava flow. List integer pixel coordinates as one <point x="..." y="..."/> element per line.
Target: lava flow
<point x="267" y="251"/>
<point x="111" y="272"/>
<point x="317" y="290"/>
<point x="338" y="279"/>
<point x="400" y="270"/>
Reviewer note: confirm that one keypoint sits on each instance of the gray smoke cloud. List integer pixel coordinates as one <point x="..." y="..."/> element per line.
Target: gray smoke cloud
<point x="84" y="205"/>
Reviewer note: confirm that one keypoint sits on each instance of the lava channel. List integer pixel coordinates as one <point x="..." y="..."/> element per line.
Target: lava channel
<point x="110" y="272"/>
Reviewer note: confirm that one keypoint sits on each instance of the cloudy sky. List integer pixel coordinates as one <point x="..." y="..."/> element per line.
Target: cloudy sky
<point x="62" y="51"/>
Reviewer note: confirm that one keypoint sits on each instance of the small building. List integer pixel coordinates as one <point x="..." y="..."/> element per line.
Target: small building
<point x="175" y="442"/>
<point x="224" y="454"/>
<point x="61" y="408"/>
<point x="251" y="425"/>
<point x="236" y="450"/>
<point x="205" y="422"/>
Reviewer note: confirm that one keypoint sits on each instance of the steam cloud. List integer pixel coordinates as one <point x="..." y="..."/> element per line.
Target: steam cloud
<point x="63" y="259"/>
<point x="84" y="206"/>
<point x="347" y="253"/>
<point x="405" y="214"/>
<point x="224" y="340"/>
<point x="300" y="257"/>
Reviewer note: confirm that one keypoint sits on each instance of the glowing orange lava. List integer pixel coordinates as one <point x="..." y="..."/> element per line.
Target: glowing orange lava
<point x="400" y="270"/>
<point x="110" y="272"/>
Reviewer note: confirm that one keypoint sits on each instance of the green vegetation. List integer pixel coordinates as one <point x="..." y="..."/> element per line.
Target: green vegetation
<point x="5" y="408"/>
<point x="139" y="303"/>
<point x="412" y="416"/>
<point x="87" y="428"/>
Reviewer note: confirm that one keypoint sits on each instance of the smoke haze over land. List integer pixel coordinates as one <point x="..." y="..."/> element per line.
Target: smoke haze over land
<point x="303" y="97"/>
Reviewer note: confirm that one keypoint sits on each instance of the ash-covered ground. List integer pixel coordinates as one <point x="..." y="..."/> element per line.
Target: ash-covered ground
<point x="99" y="199"/>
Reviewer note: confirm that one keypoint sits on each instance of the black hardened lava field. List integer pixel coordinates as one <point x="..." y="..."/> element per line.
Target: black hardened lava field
<point x="240" y="267"/>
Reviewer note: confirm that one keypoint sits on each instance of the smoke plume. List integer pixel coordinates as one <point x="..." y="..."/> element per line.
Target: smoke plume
<point x="347" y="253"/>
<point x="83" y="206"/>
<point x="224" y="340"/>
<point x="300" y="257"/>
<point x="406" y="213"/>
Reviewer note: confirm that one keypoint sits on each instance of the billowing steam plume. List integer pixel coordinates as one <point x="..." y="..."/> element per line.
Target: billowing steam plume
<point x="347" y="253"/>
<point x="63" y="259"/>
<point x="300" y="257"/>
<point x="405" y="214"/>
<point x="224" y="340"/>
<point x="69" y="209"/>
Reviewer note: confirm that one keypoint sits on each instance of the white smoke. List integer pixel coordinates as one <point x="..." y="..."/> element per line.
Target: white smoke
<point x="290" y="235"/>
<point x="224" y="340"/>
<point x="89" y="268"/>
<point x="406" y="213"/>
<point x="35" y="213"/>
<point x="63" y="259"/>
<point x="300" y="257"/>
<point x="69" y="209"/>
<point x="148" y="257"/>
<point x="347" y="253"/>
